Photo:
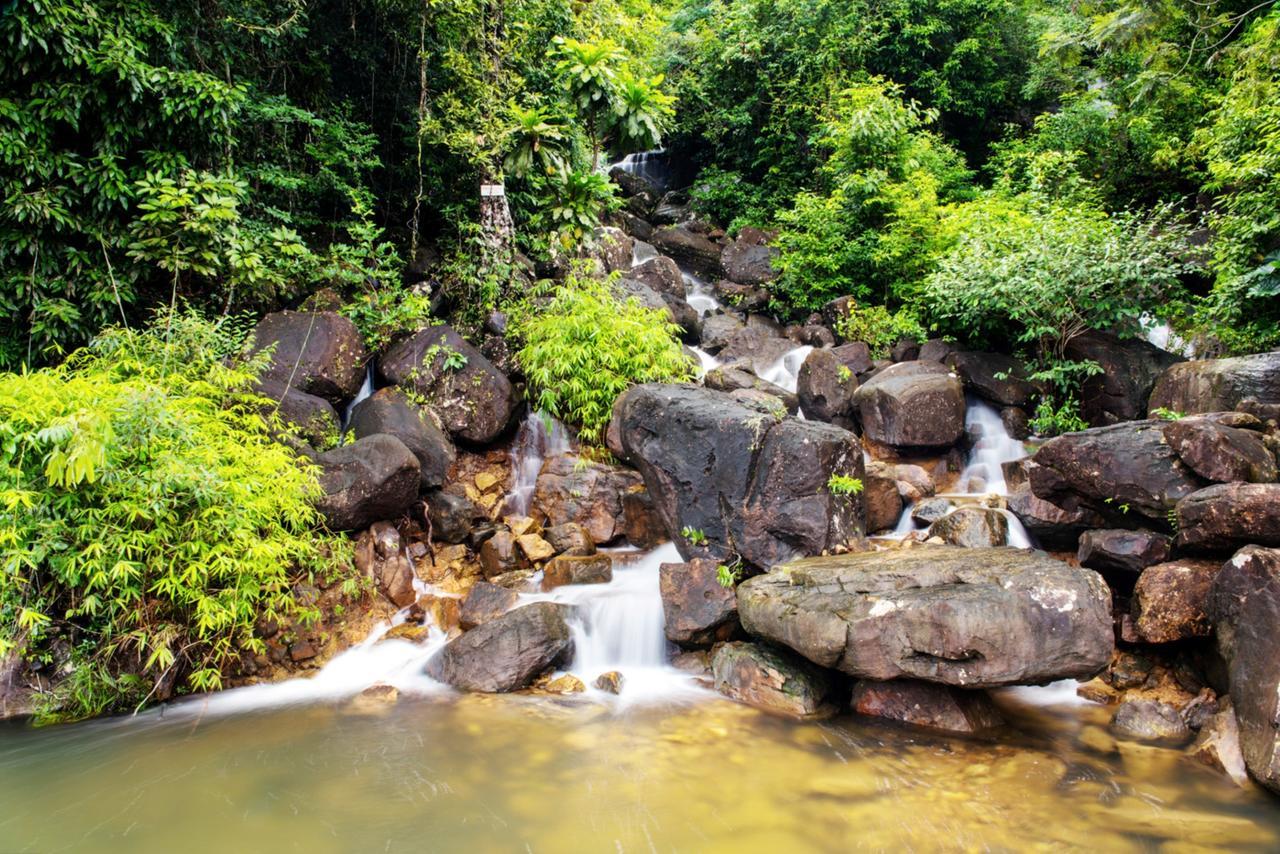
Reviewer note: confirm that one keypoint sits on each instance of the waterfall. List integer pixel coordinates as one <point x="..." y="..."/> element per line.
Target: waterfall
<point x="539" y="437"/>
<point x="700" y="295"/>
<point x="652" y="166"/>
<point x="785" y="372"/>
<point x="366" y="389"/>
<point x="642" y="252"/>
<point x="992" y="447"/>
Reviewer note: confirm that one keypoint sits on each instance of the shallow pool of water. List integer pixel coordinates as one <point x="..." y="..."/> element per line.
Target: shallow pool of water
<point x="542" y="774"/>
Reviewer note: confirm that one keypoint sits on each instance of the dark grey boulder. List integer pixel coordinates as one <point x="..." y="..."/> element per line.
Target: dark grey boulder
<point x="825" y="388"/>
<point x="735" y="379"/>
<point x="694" y="602"/>
<point x="1227" y="516"/>
<point x="1215" y="385"/>
<point x="689" y="248"/>
<point x="452" y="517"/>
<point x="314" y="418"/>
<point x="748" y="262"/>
<point x="974" y="618"/>
<point x="389" y="411"/>
<point x="772" y="680"/>
<point x="675" y="308"/>
<point x="1220" y="453"/>
<point x="1051" y="526"/>
<point x="742" y="297"/>
<point x="1252" y="570"/>
<point x="856" y="356"/>
<point x="930" y="510"/>
<point x="1130" y="368"/>
<point x="662" y="274"/>
<point x="371" y="479"/>
<point x="507" y="652"/>
<point x="1126" y="472"/>
<point x="753" y="483"/>
<point x="475" y="401"/>
<point x="912" y="405"/>
<point x="486" y="602"/>
<point x="717" y="330"/>
<point x="754" y="349"/>
<point x="320" y="353"/>
<point x="995" y="377"/>
<point x="1122" y="551"/>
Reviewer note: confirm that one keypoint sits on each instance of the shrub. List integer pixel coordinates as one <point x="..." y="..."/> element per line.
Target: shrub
<point x="147" y="517"/>
<point x="586" y="347"/>
<point x="878" y="327"/>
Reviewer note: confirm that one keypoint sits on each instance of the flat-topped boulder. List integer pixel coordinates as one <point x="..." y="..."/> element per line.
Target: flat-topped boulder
<point x="912" y="405"/>
<point x="745" y="479"/>
<point x="974" y="618"/>
<point x="689" y="248"/>
<point x="1214" y="385"/>
<point x="475" y="401"/>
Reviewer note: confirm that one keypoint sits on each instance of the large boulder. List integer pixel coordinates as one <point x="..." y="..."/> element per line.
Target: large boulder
<point x="313" y="417"/>
<point x="924" y="704"/>
<point x="320" y="353"/>
<point x="748" y="260"/>
<point x="475" y="401"/>
<point x="768" y="679"/>
<point x="662" y="274"/>
<point x="1246" y="607"/>
<point x="973" y="618"/>
<point x="825" y="387"/>
<point x="505" y="653"/>
<point x="588" y="493"/>
<point x="1123" y="552"/>
<point x="1215" y="385"/>
<point x="1051" y="526"/>
<point x="717" y="330"/>
<point x="389" y="411"/>
<point x="1229" y="515"/>
<point x="689" y="248"/>
<point x="912" y="405"/>
<point x="372" y="478"/>
<point x="1171" y="600"/>
<point x="750" y="482"/>
<point x="694" y="601"/>
<point x="676" y="309"/>
<point x="1220" y="453"/>
<point x="880" y="497"/>
<point x="1126" y="472"/>
<point x="1130" y="368"/>
<point x="994" y="376"/>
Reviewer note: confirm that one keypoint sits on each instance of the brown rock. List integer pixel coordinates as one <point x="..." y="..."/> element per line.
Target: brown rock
<point x="972" y="527"/>
<point x="1150" y="720"/>
<point x="643" y="524"/>
<point x="694" y="602"/>
<point x="610" y="682"/>
<point x="1218" y="746"/>
<point x="1123" y="551"/>
<point x="769" y="679"/>
<point x="570" y="538"/>
<point x="378" y="556"/>
<point x="880" y="496"/>
<point x="507" y="653"/>
<point x="912" y="404"/>
<point x="498" y="555"/>
<point x="1221" y="454"/>
<point x="1229" y="515"/>
<point x="534" y="548"/>
<point x="926" y="705"/>
<point x="1171" y="600"/>
<point x="589" y="495"/>
<point x="486" y="602"/>
<point x="577" y="569"/>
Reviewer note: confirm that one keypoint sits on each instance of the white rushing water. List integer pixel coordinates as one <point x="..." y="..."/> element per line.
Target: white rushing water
<point x="785" y="372"/>
<point x="366" y="389"/>
<point x="539" y="438"/>
<point x="642" y="252"/>
<point x="649" y="165"/>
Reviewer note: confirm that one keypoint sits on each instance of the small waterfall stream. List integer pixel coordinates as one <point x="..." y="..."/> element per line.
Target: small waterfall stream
<point x="785" y="373"/>
<point x="366" y="390"/>
<point x="540" y="437"/>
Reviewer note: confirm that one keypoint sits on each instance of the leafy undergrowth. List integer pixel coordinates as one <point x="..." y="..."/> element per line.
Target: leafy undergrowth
<point x="148" y="519"/>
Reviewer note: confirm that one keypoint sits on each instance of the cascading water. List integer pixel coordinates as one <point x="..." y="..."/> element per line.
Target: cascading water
<point x="785" y="373"/>
<point x="539" y="437"/>
<point x="642" y="252"/>
<point x="366" y="389"/>
<point x="652" y="166"/>
<point x="700" y="295"/>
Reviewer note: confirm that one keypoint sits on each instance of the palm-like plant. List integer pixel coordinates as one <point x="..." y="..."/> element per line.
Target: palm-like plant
<point x="579" y="199"/>
<point x="642" y="112"/>
<point x="536" y="140"/>
<point x="590" y="74"/>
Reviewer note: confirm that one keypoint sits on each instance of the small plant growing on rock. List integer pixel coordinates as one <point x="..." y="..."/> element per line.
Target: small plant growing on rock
<point x="729" y="574"/>
<point x="844" y="374"/>
<point x="1167" y="414"/>
<point x="694" y="536"/>
<point x="843" y="486"/>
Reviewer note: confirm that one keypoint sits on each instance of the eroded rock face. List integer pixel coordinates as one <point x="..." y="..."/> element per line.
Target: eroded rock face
<point x="995" y="377"/>
<point x="880" y="497"/>
<point x="769" y="679"/>
<point x="475" y="401"/>
<point x="1246" y="611"/>
<point x="717" y="329"/>
<point x="694" y="602"/>
<point x="1130" y="368"/>
<point x="1171" y="600"/>
<point x="379" y="556"/>
<point x="389" y="411"/>
<point x="1218" y="745"/>
<point x="925" y="704"/>
<point x="320" y="353"/>
<point x="972" y="618"/>
<point x="689" y="248"/>
<point x="1229" y="515"/>
<point x="505" y="653"/>
<point x="749" y="482"/>
<point x="1219" y="453"/>
<point x="1126" y="472"/>
<point x="371" y="479"/>
<point x="912" y="405"/>
<point x="736" y="379"/>
<point x="589" y="495"/>
<point x="1215" y="385"/>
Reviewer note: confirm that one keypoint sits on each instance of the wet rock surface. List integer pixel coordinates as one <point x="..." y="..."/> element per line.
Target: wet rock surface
<point x="912" y="405"/>
<point x="972" y="527"/>
<point x="1150" y="720"/>
<point x="825" y="387"/>
<point x="995" y="377"/>
<point x="313" y="417"/>
<point x="505" y="653"/>
<point x="389" y="411"/>
<point x="475" y="401"/>
<point x="379" y="555"/>
<point x="577" y="569"/>
<point x="1171" y="600"/>
<point x="1229" y="515"/>
<point x="747" y="481"/>
<point x="769" y="679"/>
<point x="570" y="490"/>
<point x="689" y="248"/>
<point x="965" y="617"/>
<point x="1220" y="453"/>
<point x="486" y="602"/>
<point x="1123" y="551"/>
<point x="694" y="602"/>
<point x="748" y="260"/>
<point x="925" y="704"/>
<point x="373" y="478"/>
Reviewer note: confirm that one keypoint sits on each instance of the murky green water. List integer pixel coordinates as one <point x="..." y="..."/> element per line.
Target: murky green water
<point x="537" y="774"/>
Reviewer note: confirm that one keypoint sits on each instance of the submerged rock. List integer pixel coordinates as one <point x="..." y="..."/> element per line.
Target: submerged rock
<point x="373" y="478"/>
<point x="320" y="353"/>
<point x="746" y="481"/>
<point x="475" y="401"/>
<point x="924" y="704"/>
<point x="912" y="405"/>
<point x="694" y="602"/>
<point x="1150" y="720"/>
<point x="768" y="679"/>
<point x="506" y="653"/>
<point x="1218" y="745"/>
<point x="967" y="617"/>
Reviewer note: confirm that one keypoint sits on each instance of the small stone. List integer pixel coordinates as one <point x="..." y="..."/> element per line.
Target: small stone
<point x="410" y="632"/>
<point x="517" y="579"/>
<point x="923" y="704"/>
<point x="498" y="555"/>
<point x="443" y="611"/>
<point x="929" y="511"/>
<point x="535" y="548"/>
<point x="521" y="525"/>
<point x="577" y="569"/>
<point x="302" y="650"/>
<point x="566" y="684"/>
<point x="610" y="682"/>
<point x="1098" y="740"/>
<point x="1150" y="720"/>
<point x="1218" y="745"/>
<point x="377" y="696"/>
<point x="486" y="481"/>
